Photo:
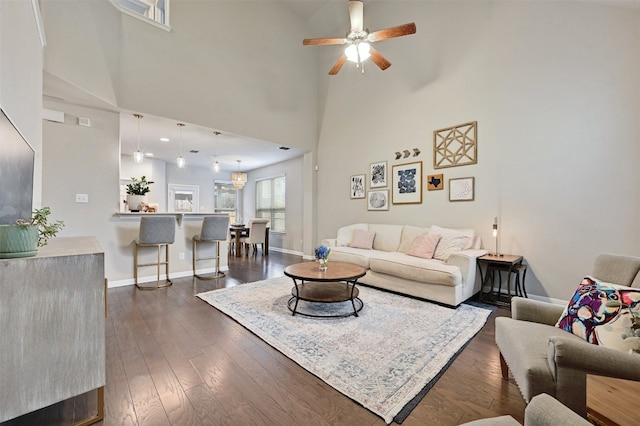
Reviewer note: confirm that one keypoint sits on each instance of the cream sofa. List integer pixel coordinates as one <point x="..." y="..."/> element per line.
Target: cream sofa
<point x="449" y="279"/>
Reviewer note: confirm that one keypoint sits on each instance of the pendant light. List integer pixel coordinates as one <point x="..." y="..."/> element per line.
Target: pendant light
<point x="216" y="165"/>
<point x="238" y="178"/>
<point x="180" y="160"/>
<point x="138" y="156"/>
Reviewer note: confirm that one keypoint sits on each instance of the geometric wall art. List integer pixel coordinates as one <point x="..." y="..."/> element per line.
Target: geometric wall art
<point x="455" y="146"/>
<point x="435" y="182"/>
<point x="461" y="189"/>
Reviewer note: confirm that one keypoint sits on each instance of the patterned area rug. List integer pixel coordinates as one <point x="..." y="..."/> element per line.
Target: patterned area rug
<point x="382" y="359"/>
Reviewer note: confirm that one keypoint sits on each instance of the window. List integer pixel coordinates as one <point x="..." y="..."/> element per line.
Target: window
<point x="151" y="11"/>
<point x="270" y="201"/>
<point x="225" y="196"/>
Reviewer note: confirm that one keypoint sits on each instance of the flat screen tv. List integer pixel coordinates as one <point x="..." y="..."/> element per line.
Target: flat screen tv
<point x="16" y="173"/>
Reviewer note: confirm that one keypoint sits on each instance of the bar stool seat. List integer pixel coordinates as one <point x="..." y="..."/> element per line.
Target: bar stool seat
<point x="158" y="231"/>
<point x="214" y="229"/>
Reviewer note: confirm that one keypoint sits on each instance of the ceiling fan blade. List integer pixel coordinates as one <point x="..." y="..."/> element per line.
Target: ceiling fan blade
<point x="338" y="65"/>
<point x="399" y="31"/>
<point x="322" y="41"/>
<point x="356" y="13"/>
<point x="379" y="60"/>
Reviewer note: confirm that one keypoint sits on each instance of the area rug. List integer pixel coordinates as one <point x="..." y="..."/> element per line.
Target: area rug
<point x="383" y="359"/>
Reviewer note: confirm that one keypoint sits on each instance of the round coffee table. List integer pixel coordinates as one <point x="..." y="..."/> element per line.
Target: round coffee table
<point x="336" y="284"/>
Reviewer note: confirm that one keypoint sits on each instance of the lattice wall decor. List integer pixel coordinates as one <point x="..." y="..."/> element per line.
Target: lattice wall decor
<point x="455" y="146"/>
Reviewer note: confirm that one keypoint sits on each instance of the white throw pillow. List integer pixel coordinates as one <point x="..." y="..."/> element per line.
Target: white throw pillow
<point x="451" y="241"/>
<point x="345" y="234"/>
<point x="362" y="239"/>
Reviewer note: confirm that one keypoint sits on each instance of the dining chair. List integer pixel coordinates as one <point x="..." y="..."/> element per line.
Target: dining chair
<point x="257" y="235"/>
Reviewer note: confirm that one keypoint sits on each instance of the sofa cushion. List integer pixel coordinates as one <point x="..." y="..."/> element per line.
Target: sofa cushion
<point x="345" y="234"/>
<point x="451" y="241"/>
<point x="387" y="236"/>
<point x="409" y="234"/>
<point x="352" y="255"/>
<point x="362" y="239"/>
<point x="424" y="246"/>
<point x="430" y="271"/>
<point x="601" y="313"/>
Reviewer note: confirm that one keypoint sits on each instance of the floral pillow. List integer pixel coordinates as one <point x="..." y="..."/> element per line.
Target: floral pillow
<point x="604" y="314"/>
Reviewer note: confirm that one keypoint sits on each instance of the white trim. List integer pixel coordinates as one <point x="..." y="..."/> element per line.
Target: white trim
<point x="173" y="275"/>
<point x="38" y="17"/>
<point x="284" y="175"/>
<point x="286" y="251"/>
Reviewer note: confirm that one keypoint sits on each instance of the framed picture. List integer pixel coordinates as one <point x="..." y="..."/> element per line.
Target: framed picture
<point x="407" y="183"/>
<point x="461" y="189"/>
<point x="435" y="182"/>
<point x="378" y="200"/>
<point x="357" y="186"/>
<point x="378" y="174"/>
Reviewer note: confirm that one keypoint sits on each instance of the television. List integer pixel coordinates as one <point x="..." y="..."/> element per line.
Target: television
<point x="17" y="159"/>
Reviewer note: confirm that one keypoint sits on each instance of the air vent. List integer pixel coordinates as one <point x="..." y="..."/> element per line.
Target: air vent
<point x="284" y="148"/>
<point x="194" y="151"/>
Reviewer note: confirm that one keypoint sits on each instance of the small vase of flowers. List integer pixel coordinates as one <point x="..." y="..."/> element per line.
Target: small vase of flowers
<point x="322" y="256"/>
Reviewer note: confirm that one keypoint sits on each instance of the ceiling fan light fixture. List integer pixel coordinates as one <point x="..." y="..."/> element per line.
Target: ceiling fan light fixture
<point x="358" y="52"/>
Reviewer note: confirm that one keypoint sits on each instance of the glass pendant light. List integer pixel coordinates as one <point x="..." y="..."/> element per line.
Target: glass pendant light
<point x="216" y="165"/>
<point x="138" y="156"/>
<point x="180" y="160"/>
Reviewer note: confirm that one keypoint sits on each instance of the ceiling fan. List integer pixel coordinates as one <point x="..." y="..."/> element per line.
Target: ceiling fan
<point x="359" y="40"/>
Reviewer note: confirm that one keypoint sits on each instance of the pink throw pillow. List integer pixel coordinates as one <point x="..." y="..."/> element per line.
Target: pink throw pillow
<point x="362" y="239"/>
<point x="424" y="246"/>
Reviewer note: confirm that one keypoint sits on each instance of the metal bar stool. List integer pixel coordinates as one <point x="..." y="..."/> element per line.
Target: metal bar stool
<point x="155" y="231"/>
<point x="214" y="229"/>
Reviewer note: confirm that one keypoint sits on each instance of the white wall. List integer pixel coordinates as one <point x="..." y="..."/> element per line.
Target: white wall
<point x="554" y="88"/>
<point x="237" y="66"/>
<point x="290" y="241"/>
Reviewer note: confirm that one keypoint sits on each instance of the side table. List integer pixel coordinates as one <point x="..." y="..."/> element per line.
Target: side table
<point x="494" y="266"/>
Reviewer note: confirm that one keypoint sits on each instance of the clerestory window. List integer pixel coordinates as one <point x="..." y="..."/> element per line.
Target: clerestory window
<point x="151" y="11"/>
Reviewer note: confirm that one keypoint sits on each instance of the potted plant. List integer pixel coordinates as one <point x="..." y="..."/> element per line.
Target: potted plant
<point x="137" y="193"/>
<point x="24" y="237"/>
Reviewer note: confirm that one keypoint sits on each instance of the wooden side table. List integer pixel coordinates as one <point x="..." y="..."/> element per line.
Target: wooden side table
<point x="494" y="266"/>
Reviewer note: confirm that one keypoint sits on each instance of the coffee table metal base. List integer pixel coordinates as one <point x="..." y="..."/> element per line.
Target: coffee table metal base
<point x="325" y="292"/>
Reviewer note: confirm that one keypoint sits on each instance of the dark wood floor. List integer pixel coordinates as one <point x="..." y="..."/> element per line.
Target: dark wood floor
<point x="174" y="360"/>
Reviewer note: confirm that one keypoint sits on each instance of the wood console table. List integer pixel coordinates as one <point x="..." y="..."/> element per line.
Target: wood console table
<point x="52" y="317"/>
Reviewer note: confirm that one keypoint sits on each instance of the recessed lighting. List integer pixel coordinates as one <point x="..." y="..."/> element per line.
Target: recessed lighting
<point x="148" y="154"/>
<point x="284" y="148"/>
<point x="164" y="139"/>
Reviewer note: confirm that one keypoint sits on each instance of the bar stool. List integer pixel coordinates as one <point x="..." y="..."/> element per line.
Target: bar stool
<point x="214" y="230"/>
<point x="155" y="231"/>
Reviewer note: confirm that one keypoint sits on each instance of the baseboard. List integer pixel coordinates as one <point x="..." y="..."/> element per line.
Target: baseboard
<point x="545" y="299"/>
<point x="286" y="251"/>
<point x="147" y="279"/>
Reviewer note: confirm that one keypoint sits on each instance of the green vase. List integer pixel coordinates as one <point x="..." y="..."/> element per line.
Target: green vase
<point x="18" y="241"/>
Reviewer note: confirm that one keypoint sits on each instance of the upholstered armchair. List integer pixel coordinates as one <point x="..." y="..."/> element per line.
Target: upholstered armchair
<point x="543" y="410"/>
<point x="545" y="359"/>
